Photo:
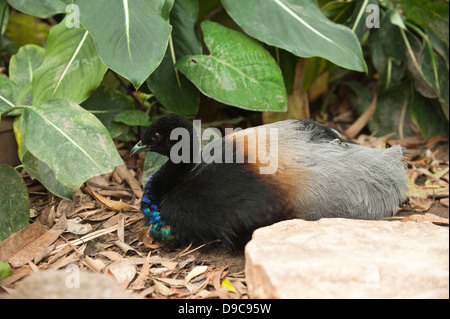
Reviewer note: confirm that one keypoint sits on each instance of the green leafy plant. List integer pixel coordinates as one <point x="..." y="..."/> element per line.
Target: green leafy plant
<point x="408" y="56"/>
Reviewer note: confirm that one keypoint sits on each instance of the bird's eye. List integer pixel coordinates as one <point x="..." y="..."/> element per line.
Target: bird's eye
<point x="155" y="137"/>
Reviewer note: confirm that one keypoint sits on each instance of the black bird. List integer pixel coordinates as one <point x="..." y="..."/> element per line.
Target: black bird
<point x="311" y="173"/>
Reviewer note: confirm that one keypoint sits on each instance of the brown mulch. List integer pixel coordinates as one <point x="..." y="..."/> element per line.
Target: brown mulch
<point x="102" y="231"/>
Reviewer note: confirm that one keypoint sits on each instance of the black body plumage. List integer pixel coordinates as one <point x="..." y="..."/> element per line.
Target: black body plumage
<point x="201" y="202"/>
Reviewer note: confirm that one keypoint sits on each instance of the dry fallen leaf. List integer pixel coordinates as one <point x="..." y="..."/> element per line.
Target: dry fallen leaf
<point x="195" y="272"/>
<point x="111" y="204"/>
<point x="140" y="281"/>
<point x="222" y="293"/>
<point x="115" y="193"/>
<point x="60" y="254"/>
<point x="123" y="271"/>
<point x="124" y="174"/>
<point x="161" y="288"/>
<point x="66" y="261"/>
<point x="146" y="292"/>
<point x="418" y="203"/>
<point x="95" y="264"/>
<point x="215" y="276"/>
<point x="241" y="289"/>
<point x="158" y="271"/>
<point x="17" y="241"/>
<point x="47" y="216"/>
<point x="172" y="282"/>
<point x="425" y="218"/>
<point x="121" y="228"/>
<point x="99" y="180"/>
<point x="75" y="226"/>
<point x="39" y="245"/>
<point x="112" y="255"/>
<point x="126" y="248"/>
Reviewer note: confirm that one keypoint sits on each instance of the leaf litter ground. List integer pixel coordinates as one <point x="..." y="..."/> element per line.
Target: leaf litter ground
<point x="102" y="231"/>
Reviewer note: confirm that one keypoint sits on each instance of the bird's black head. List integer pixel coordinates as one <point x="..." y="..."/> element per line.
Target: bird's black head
<point x="157" y="137"/>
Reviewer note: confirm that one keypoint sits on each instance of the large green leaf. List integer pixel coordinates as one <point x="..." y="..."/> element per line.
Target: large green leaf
<point x="237" y="72"/>
<point x="41" y="8"/>
<point x="170" y="87"/>
<point x="14" y="203"/>
<point x="70" y="140"/>
<point x="299" y="27"/>
<point x="131" y="36"/>
<point x="71" y="68"/>
<point x="23" y="64"/>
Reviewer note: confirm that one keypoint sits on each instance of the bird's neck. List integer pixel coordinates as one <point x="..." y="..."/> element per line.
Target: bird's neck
<point x="167" y="177"/>
<point x="171" y="174"/>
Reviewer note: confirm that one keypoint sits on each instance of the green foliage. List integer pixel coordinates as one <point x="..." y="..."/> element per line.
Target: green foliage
<point x="298" y="27"/>
<point x="409" y="56"/>
<point x="171" y="87"/>
<point x="237" y="72"/>
<point x="71" y="68"/>
<point x="81" y="146"/>
<point x="14" y="206"/>
<point x="131" y="36"/>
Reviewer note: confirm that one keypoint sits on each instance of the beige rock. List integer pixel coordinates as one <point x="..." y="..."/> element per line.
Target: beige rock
<point x="73" y="284"/>
<point x="343" y="258"/>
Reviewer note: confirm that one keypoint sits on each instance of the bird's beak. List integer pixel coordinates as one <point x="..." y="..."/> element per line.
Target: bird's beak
<point x="139" y="148"/>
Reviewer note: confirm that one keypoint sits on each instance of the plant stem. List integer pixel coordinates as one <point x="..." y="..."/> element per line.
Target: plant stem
<point x="174" y="60"/>
<point x="277" y="51"/>
<point x="5" y="113"/>
<point x="430" y="49"/>
<point x="360" y="13"/>
<point x="410" y="51"/>
<point x="401" y="122"/>
<point x="389" y="73"/>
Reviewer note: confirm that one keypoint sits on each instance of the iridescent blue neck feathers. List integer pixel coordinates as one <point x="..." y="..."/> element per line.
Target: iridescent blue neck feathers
<point x="150" y="208"/>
